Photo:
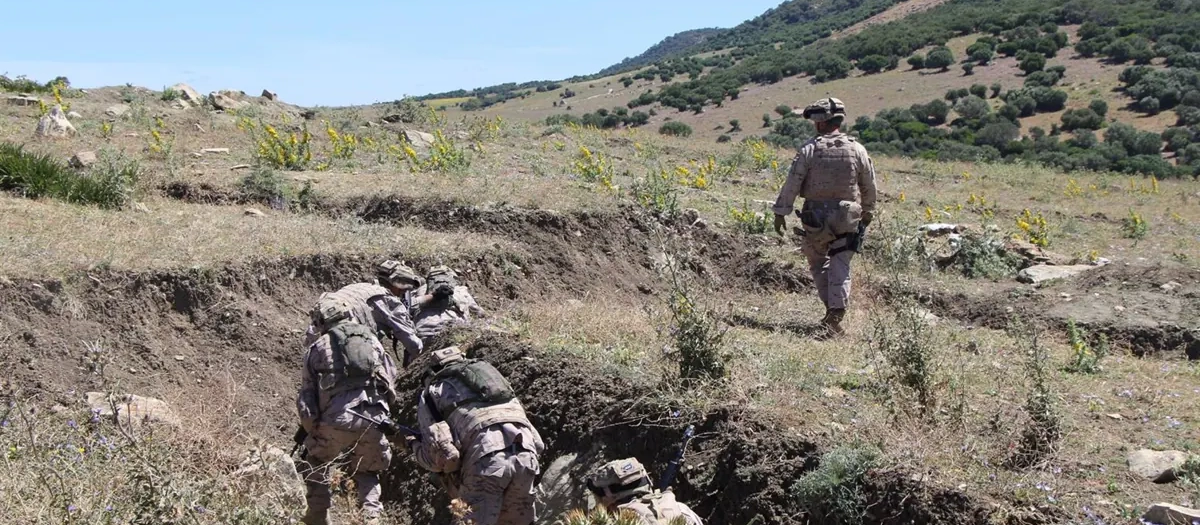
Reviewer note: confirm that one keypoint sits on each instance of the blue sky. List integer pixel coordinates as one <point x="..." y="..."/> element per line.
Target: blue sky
<point x="334" y="53"/>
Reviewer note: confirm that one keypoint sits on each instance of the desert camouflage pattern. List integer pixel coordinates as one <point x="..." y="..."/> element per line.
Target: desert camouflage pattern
<point x="324" y="405"/>
<point x="660" y="508"/>
<point x="823" y="110"/>
<point x="498" y="447"/>
<point x="376" y="307"/>
<point x="438" y="316"/>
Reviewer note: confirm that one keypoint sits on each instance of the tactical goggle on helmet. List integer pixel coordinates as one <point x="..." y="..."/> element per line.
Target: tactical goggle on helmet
<point x="395" y="272"/>
<point x="824" y="109"/>
<point x="619" y="479"/>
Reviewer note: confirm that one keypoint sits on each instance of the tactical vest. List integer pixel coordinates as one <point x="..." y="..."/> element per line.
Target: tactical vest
<point x="357" y="364"/>
<point x="833" y="169"/>
<point x="440" y="275"/>
<point x="490" y="400"/>
<point x="661" y="506"/>
<point x="360" y="295"/>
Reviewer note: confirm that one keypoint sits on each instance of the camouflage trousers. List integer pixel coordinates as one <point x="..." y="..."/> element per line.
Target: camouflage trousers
<point x="365" y="453"/>
<point x="825" y="245"/>
<point x="499" y="489"/>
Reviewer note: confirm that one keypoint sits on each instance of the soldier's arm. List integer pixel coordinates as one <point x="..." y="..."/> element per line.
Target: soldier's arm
<point x="392" y="315"/>
<point x="310" y="336"/>
<point x="785" y="203"/>
<point x="866" y="181"/>
<point x="307" y="407"/>
<point x="423" y="448"/>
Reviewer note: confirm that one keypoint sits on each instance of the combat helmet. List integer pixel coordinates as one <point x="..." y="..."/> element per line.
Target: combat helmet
<point x="440" y="358"/>
<point x="330" y="310"/>
<point x="620" y="479"/>
<point x="397" y="273"/>
<point x="825" y="109"/>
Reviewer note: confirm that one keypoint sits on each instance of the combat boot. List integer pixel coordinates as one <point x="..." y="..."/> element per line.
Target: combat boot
<point x="316" y="517"/>
<point x="833" y="321"/>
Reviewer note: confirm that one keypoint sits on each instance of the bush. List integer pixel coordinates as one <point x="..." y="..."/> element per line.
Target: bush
<point x="979" y="90"/>
<point x="940" y="58"/>
<point x="968" y="69"/>
<point x="1043" y="429"/>
<point x="872" y="64"/>
<point x="1187" y="115"/>
<point x="169" y="94"/>
<point x="1177" y="138"/>
<point x="1082" y="118"/>
<point x="1032" y="62"/>
<point x="723" y="139"/>
<point x="1098" y="107"/>
<point x="835" y="491"/>
<point x="917" y="61"/>
<point x="110" y="183"/>
<point x="1149" y="105"/>
<point x="972" y="108"/>
<point x="563" y="119"/>
<point x="1042" y="79"/>
<point x="783" y="110"/>
<point x="996" y="89"/>
<point x="675" y="129"/>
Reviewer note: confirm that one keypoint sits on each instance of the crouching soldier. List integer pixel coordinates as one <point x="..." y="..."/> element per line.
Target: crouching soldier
<point x="623" y="486"/>
<point x="475" y="433"/>
<point x="443" y="303"/>
<point x="347" y="383"/>
<point x="381" y="306"/>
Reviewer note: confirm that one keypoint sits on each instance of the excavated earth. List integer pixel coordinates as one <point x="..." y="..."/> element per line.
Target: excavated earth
<point x="172" y="333"/>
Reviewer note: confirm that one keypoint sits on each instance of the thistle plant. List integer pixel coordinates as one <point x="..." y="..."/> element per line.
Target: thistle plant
<point x="593" y="167"/>
<point x="291" y="152"/>
<point x="1085" y="359"/>
<point x="657" y="192"/>
<point x="444" y="156"/>
<point x="1034" y="228"/>
<point x="1134" y="226"/>
<point x="746" y="220"/>
<point x="762" y="154"/>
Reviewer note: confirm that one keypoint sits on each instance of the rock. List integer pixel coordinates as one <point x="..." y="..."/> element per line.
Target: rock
<point x="937" y="229"/>
<point x="131" y="409"/>
<point x="222" y="101"/>
<point x="188" y="94"/>
<point x="215" y="150"/>
<point x="117" y="111"/>
<point x="141" y="207"/>
<point x="239" y="167"/>
<point x="55" y="124"/>
<point x="1170" y="286"/>
<point x="1156" y="466"/>
<point x="1168" y="514"/>
<point x="197" y="155"/>
<point x="23" y="100"/>
<point x="82" y="159"/>
<point x="255" y="212"/>
<point x="276" y="463"/>
<point x="1045" y="272"/>
<point x="74" y="115"/>
<point x="270" y="95"/>
<point x="419" y="139"/>
<point x="560" y="490"/>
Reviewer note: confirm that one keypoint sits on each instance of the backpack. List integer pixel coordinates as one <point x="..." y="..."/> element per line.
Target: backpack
<point x="487" y="383"/>
<point x="355" y="357"/>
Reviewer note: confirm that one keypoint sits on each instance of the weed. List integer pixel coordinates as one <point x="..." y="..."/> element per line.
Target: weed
<point x="483" y="129"/>
<point x="275" y="151"/>
<point x="834" y="492"/>
<point x="751" y="222"/>
<point x="762" y="154"/>
<point x="1043" y="430"/>
<point x="905" y="343"/>
<point x="657" y="193"/>
<point x="1134" y="226"/>
<point x="108" y="184"/>
<point x="106" y="130"/>
<point x="1034" y="228"/>
<point x="696" y="333"/>
<point x="897" y="248"/>
<point x="159" y="146"/>
<point x="169" y="94"/>
<point x="593" y="167"/>
<point x="344" y="144"/>
<point x="600" y="516"/>
<point x="1084" y="358"/>
<point x="444" y="156"/>
<point x="984" y="256"/>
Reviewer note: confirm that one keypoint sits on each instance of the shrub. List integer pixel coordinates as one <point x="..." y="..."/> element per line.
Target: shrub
<point x="835" y="491"/>
<point x="872" y="63"/>
<point x="940" y="58"/>
<point x="1043" y="429"/>
<point x="1187" y="115"/>
<point x="917" y="61"/>
<point x="1134" y="226"/>
<point x="906" y="345"/>
<point x="784" y="110"/>
<point x="1082" y="118"/>
<point x="972" y="108"/>
<point x="1085" y="359"/>
<point x="675" y="129"/>
<point x="696" y="335"/>
<point x="979" y="90"/>
<point x="658" y="193"/>
<point x="735" y="126"/>
<point x="266" y="185"/>
<point x="968" y="69"/>
<point x="1099" y="107"/>
<point x="563" y="119"/>
<point x="985" y="257"/>
<point x="1042" y="79"/>
<point x="996" y="90"/>
<point x="1032" y="62"/>
<point x="723" y="139"/>
<point x="1149" y="105"/>
<point x="110" y="183"/>
<point x="169" y="94"/>
<point x="1177" y="138"/>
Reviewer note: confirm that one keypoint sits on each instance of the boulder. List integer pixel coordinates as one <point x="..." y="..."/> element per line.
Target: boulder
<point x="419" y="139"/>
<point x="1156" y="466"/>
<point x="117" y="111"/>
<point x="1168" y="514"/>
<point x="560" y="490"/>
<point x="255" y="212"/>
<point x="131" y="409"/>
<point x="1045" y="272"/>
<point x="276" y="464"/>
<point x="188" y="94"/>
<point x="269" y="95"/>
<point x="83" y="159"/>
<point x="23" y="100"/>
<point x="74" y="115"/>
<point x="222" y="101"/>
<point x="55" y="124"/>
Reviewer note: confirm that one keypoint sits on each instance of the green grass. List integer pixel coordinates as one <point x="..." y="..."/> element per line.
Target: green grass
<point x="108" y="184"/>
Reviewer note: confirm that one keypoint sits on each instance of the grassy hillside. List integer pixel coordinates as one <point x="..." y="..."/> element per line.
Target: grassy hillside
<point x="679" y="44"/>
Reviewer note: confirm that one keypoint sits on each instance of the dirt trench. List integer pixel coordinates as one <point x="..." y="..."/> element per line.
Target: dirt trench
<point x="168" y="333"/>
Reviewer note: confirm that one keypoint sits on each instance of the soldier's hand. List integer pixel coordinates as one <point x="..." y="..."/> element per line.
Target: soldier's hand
<point x="780" y="224"/>
<point x="867" y="217"/>
<point x="443" y="290"/>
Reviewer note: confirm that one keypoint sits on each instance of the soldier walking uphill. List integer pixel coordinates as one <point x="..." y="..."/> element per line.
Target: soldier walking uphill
<point x="836" y="177"/>
<point x="473" y="428"/>
<point x="381" y="306"/>
<point x="623" y="486"/>
<point x="347" y="384"/>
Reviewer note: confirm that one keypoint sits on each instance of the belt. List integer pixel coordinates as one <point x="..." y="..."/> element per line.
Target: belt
<point x="511" y="450"/>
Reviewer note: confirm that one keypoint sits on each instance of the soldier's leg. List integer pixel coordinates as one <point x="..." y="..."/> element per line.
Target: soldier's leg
<point x="838" y="278"/>
<point x="519" y="497"/>
<point x="818" y="263"/>
<point x="324" y="446"/>
<point x="371" y="456"/>
<point x="483" y="490"/>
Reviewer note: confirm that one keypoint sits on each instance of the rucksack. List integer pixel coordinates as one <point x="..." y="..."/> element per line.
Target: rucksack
<point x="355" y="356"/>
<point x="486" y="383"/>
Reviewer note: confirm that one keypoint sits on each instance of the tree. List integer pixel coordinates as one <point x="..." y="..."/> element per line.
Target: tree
<point x="997" y="134"/>
<point x="996" y="89"/>
<point x="917" y="61"/>
<point x="1149" y="105"/>
<point x="872" y="63"/>
<point x="1177" y="138"/>
<point x="940" y="58"/>
<point x="1187" y="115"/>
<point x="968" y="69"/>
<point x="972" y="108"/>
<point x="979" y="90"/>
<point x="626" y="81"/>
<point x="1099" y="107"/>
<point x="735" y="126"/>
<point x="1082" y="118"/>
<point x="784" y="110"/>
<point x="1031" y="62"/>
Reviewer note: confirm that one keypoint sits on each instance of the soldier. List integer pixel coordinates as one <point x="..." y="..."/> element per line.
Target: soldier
<point x="347" y="383"/>
<point x="475" y="433"/>
<point x="442" y="303"/>
<point x="836" y="177"/>
<point x="382" y="306"/>
<point x="624" y="486"/>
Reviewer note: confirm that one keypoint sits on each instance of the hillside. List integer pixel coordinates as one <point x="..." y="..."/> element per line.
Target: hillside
<point x="679" y="44"/>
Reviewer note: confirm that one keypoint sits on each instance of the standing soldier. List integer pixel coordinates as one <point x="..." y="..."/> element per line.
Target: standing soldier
<point x="624" y="486"/>
<point x="347" y="384"/>
<point x="382" y="306"/>
<point x="835" y="176"/>
<point x="475" y="433"/>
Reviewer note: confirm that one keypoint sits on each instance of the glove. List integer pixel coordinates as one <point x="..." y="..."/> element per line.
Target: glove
<point x="443" y="291"/>
<point x="780" y="223"/>
<point x="867" y="217"/>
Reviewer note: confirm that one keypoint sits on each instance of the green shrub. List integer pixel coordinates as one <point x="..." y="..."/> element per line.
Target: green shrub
<point x="169" y="94"/>
<point x="985" y="257"/>
<point x="1085" y="359"/>
<point x="1044" y="427"/>
<point x="834" y="492"/>
<point x="941" y="58"/>
<point x="110" y="183"/>
<point x="675" y="129"/>
<point x="917" y="61"/>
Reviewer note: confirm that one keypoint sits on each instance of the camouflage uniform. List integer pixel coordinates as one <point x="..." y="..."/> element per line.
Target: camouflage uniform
<point x="836" y="177"/>
<point x="376" y="307"/>
<point x="437" y="313"/>
<point x="329" y="395"/>
<point x="489" y="444"/>
<point x="623" y="486"/>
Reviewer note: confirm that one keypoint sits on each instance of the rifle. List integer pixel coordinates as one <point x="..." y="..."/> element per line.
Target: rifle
<point x="673" y="466"/>
<point x="856" y="245"/>
<point x="299" y="438"/>
<point x="388" y="427"/>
